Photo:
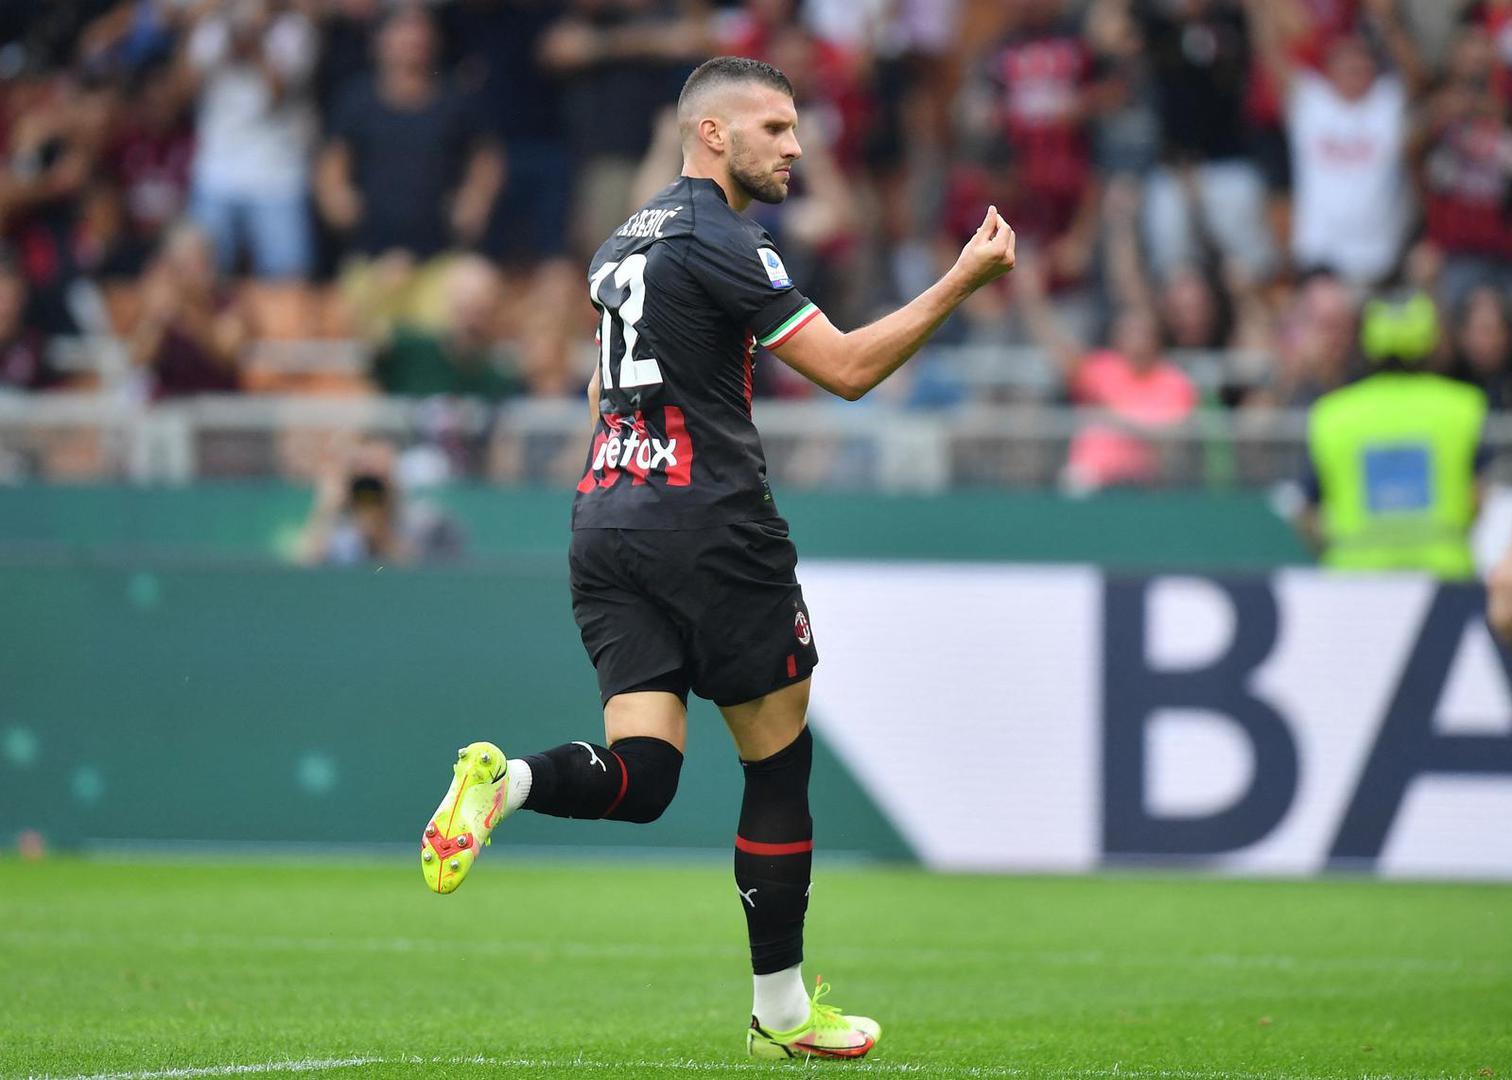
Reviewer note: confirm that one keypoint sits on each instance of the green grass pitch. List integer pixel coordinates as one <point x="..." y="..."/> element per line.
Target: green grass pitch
<point x="627" y="969"/>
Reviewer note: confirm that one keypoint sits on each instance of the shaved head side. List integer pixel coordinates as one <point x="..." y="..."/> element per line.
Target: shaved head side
<point x="701" y="92"/>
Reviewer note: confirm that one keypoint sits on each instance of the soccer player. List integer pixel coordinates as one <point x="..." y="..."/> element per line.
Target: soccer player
<point x="682" y="571"/>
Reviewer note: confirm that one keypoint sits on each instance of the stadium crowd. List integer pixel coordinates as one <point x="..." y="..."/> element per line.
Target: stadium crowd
<point x="196" y="176"/>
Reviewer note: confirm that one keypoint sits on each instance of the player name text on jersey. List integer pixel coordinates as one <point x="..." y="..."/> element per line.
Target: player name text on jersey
<point x="648" y="222"/>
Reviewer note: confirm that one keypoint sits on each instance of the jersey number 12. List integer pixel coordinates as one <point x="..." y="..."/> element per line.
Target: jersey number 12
<point x="630" y="274"/>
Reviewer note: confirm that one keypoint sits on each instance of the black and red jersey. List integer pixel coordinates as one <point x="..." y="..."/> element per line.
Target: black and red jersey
<point x="686" y="289"/>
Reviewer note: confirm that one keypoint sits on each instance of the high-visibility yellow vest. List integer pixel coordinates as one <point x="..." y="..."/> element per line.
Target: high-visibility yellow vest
<point x="1395" y="457"/>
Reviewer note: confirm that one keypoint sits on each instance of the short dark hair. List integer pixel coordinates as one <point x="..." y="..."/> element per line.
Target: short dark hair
<point x="733" y="69"/>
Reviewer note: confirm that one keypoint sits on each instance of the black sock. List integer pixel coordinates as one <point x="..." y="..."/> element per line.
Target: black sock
<point x="632" y="781"/>
<point x="774" y="853"/>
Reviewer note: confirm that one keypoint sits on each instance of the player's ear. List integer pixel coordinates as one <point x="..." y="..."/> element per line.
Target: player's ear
<point x="713" y="134"/>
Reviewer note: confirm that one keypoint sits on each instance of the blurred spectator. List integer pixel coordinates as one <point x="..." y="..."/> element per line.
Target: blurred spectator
<point x="1348" y="131"/>
<point x="500" y="42"/>
<point x="1191" y="312"/>
<point x="251" y="63"/>
<point x="1310" y="26"/>
<point x="24" y="363"/>
<point x="408" y="172"/>
<point x="909" y="68"/>
<point x="192" y="331"/>
<point x="1464" y="151"/>
<point x="1125" y="116"/>
<point x="619" y="62"/>
<point x="1203" y="306"/>
<point x="1317" y="343"/>
<point x="347" y="29"/>
<point x="1027" y="117"/>
<point x="361" y="515"/>
<point x="150" y="157"/>
<point x="1482" y="345"/>
<point x="460" y="360"/>
<point x="529" y="231"/>
<point x="1206" y="188"/>
<point x="1208" y="307"/>
<point x="55" y="130"/>
<point x="861" y="27"/>
<point x="1139" y="394"/>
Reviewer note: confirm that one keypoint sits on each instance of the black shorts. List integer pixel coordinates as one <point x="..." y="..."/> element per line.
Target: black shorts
<point x="717" y="610"/>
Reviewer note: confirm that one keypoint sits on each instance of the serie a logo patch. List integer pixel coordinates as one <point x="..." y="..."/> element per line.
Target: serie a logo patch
<point x="776" y="273"/>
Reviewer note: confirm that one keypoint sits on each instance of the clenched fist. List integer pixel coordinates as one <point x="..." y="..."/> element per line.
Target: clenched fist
<point x="989" y="253"/>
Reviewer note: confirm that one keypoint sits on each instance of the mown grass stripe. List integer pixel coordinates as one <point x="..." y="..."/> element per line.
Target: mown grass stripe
<point x="888" y="1068"/>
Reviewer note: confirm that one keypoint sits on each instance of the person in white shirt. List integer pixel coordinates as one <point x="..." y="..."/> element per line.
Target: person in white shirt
<point x="1347" y="127"/>
<point x="252" y="62"/>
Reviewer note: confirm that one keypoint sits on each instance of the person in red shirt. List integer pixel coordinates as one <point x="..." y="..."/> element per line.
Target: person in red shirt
<point x="1027" y="112"/>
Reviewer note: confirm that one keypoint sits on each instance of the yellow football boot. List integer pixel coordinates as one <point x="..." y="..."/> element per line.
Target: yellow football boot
<point x="828" y="1033"/>
<point x="464" y="821"/>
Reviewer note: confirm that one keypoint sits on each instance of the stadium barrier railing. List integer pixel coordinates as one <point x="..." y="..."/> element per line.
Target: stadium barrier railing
<point x="1003" y="432"/>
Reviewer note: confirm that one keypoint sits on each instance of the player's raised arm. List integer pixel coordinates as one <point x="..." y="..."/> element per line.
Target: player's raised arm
<point x="850" y="364"/>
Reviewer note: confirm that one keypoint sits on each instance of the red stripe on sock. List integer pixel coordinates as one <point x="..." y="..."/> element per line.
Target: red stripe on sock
<point x="624" y="786"/>
<point x="752" y="847"/>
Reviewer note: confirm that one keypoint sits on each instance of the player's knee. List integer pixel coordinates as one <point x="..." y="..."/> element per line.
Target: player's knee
<point x="652" y="767"/>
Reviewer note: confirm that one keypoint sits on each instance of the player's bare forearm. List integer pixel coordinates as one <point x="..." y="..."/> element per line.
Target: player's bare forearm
<point x="851" y="364"/>
<point x="593" y="400"/>
<point x="876" y="351"/>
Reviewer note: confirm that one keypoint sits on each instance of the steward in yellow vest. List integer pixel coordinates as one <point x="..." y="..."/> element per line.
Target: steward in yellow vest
<point x="1396" y="454"/>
